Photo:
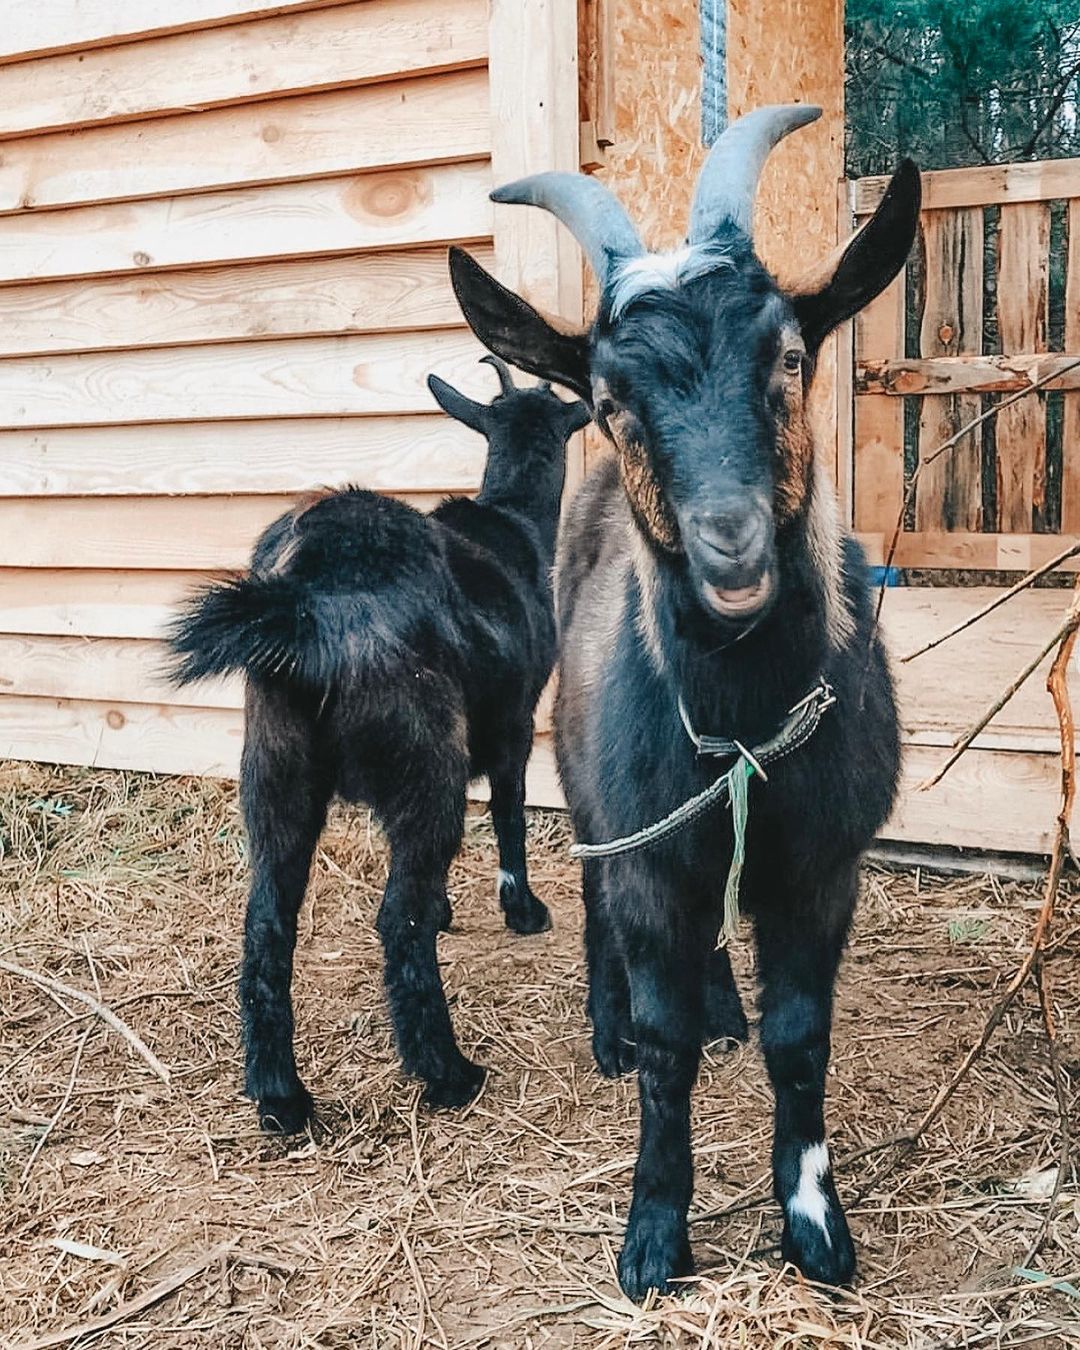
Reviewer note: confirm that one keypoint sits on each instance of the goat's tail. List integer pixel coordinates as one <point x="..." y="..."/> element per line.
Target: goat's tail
<point x="270" y="626"/>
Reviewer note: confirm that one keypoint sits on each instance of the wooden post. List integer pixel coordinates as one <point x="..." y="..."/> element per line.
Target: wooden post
<point x="792" y="51"/>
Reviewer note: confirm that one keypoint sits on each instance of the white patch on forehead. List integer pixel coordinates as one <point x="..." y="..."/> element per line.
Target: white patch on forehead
<point x="664" y="272"/>
<point x="810" y="1201"/>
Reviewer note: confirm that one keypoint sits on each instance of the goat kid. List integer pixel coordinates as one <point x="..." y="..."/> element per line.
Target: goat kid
<point x="704" y="586"/>
<point x="390" y="658"/>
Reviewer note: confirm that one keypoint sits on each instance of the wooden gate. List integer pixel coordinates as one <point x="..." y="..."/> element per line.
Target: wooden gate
<point x="990" y="307"/>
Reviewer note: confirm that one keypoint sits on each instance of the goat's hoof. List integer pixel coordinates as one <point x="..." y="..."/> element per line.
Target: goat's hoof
<point x="615" y="1054"/>
<point x="656" y="1251"/>
<point x="286" y="1115"/>
<point x="528" y="916"/>
<point x="454" y="1089"/>
<point x="725" y="1019"/>
<point x="823" y="1250"/>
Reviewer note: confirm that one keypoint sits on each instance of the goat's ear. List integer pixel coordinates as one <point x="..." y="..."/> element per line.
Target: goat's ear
<point x="462" y="409"/>
<point x="578" y="416"/>
<point x="862" y="268"/>
<point x="512" y="329"/>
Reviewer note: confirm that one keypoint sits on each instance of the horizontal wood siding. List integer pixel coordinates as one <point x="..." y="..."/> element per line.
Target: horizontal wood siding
<point x="223" y="283"/>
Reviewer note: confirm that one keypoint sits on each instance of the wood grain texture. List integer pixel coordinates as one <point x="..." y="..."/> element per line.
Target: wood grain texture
<point x="428" y="120"/>
<point x="878" y="471"/>
<point x="111" y="670"/>
<point x="309" y="297"/>
<point x="421" y="454"/>
<point x="185" y="533"/>
<point x="391" y="210"/>
<point x="303" y="377"/>
<point x="157" y="738"/>
<point x="91" y="602"/>
<point x="949" y="492"/>
<point x="350" y="44"/>
<point x="989" y="185"/>
<point x="1022" y="296"/>
<point x="990" y="552"/>
<point x="59" y="25"/>
<point x="1070" y="433"/>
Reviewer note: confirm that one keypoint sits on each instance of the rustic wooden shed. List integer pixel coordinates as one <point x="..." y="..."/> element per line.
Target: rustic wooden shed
<point x="223" y="227"/>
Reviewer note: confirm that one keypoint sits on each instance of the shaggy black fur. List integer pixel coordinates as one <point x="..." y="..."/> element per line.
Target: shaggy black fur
<point x="704" y="378"/>
<point x="390" y="658"/>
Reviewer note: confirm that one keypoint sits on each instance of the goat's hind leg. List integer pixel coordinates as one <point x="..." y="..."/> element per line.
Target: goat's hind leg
<point x="284" y="798"/>
<point x="424" y="830"/>
<point x="524" y="913"/>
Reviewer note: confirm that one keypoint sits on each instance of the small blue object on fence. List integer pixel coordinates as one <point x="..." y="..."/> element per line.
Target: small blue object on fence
<point x="884" y="576"/>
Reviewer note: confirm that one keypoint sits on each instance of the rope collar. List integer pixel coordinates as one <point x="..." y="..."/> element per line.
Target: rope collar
<point x="798" y="726"/>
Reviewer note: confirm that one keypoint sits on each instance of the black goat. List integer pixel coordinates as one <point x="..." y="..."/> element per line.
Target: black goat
<point x="712" y="591"/>
<point x="390" y="657"/>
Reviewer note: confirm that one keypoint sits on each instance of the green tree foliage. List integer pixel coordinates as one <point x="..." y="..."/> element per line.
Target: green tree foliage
<point x="958" y="82"/>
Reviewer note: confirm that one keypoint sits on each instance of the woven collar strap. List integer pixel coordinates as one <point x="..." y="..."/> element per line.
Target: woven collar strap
<point x="799" y="725"/>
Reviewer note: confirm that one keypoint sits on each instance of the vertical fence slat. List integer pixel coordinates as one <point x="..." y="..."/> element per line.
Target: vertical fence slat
<point x="1070" y="432"/>
<point x="878" y="488"/>
<point x="1022" y="303"/>
<point x="949" y="494"/>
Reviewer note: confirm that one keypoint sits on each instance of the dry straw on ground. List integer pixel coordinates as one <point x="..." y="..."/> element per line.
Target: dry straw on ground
<point x="153" y="1214"/>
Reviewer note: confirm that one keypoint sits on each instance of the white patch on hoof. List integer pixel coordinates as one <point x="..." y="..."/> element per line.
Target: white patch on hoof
<point x="810" y="1201"/>
<point x="504" y="879"/>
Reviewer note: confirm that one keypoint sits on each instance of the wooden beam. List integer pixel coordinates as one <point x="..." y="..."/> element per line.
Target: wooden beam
<point x="989" y="185"/>
<point x="303" y="377"/>
<point x="61" y="25"/>
<point x="533" y="76"/>
<point x="967" y="374"/>
<point x="306" y="297"/>
<point x="393" y="210"/>
<point x="976" y="552"/>
<point x="348" y="45"/>
<point x="283" y="455"/>
<point x="433" y="119"/>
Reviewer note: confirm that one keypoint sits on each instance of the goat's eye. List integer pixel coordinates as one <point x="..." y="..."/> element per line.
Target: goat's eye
<point x="793" y="360"/>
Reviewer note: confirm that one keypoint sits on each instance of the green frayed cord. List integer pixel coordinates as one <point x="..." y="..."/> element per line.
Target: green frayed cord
<point x="738" y="786"/>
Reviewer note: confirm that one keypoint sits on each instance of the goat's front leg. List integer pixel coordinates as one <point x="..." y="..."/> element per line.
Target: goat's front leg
<point x="609" y="994"/>
<point x="666" y="974"/>
<point x="799" y="949"/>
<point x="523" y="911"/>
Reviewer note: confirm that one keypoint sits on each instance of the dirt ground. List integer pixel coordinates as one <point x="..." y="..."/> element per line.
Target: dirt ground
<point x="160" y="1210"/>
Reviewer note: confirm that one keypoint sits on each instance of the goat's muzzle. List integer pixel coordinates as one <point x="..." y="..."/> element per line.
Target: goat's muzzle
<point x="729" y="550"/>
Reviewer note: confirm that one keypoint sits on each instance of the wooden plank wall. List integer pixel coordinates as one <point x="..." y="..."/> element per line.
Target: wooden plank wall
<point x="223" y="231"/>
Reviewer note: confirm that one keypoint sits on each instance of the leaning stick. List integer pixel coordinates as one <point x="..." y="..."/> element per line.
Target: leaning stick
<point x="110" y="1019"/>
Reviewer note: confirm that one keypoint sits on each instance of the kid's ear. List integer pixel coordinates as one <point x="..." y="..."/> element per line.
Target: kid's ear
<point x="513" y="330"/>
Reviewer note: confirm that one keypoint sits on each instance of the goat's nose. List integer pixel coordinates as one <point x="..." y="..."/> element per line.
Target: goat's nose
<point x="734" y="536"/>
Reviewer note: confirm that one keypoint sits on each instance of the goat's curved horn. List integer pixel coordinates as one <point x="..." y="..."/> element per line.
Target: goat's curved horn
<point x="595" y="218"/>
<point x="729" y="177"/>
<point x="506" y="380"/>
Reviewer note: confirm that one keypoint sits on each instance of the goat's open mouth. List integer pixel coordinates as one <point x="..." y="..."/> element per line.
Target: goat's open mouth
<point x="739" y="602"/>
